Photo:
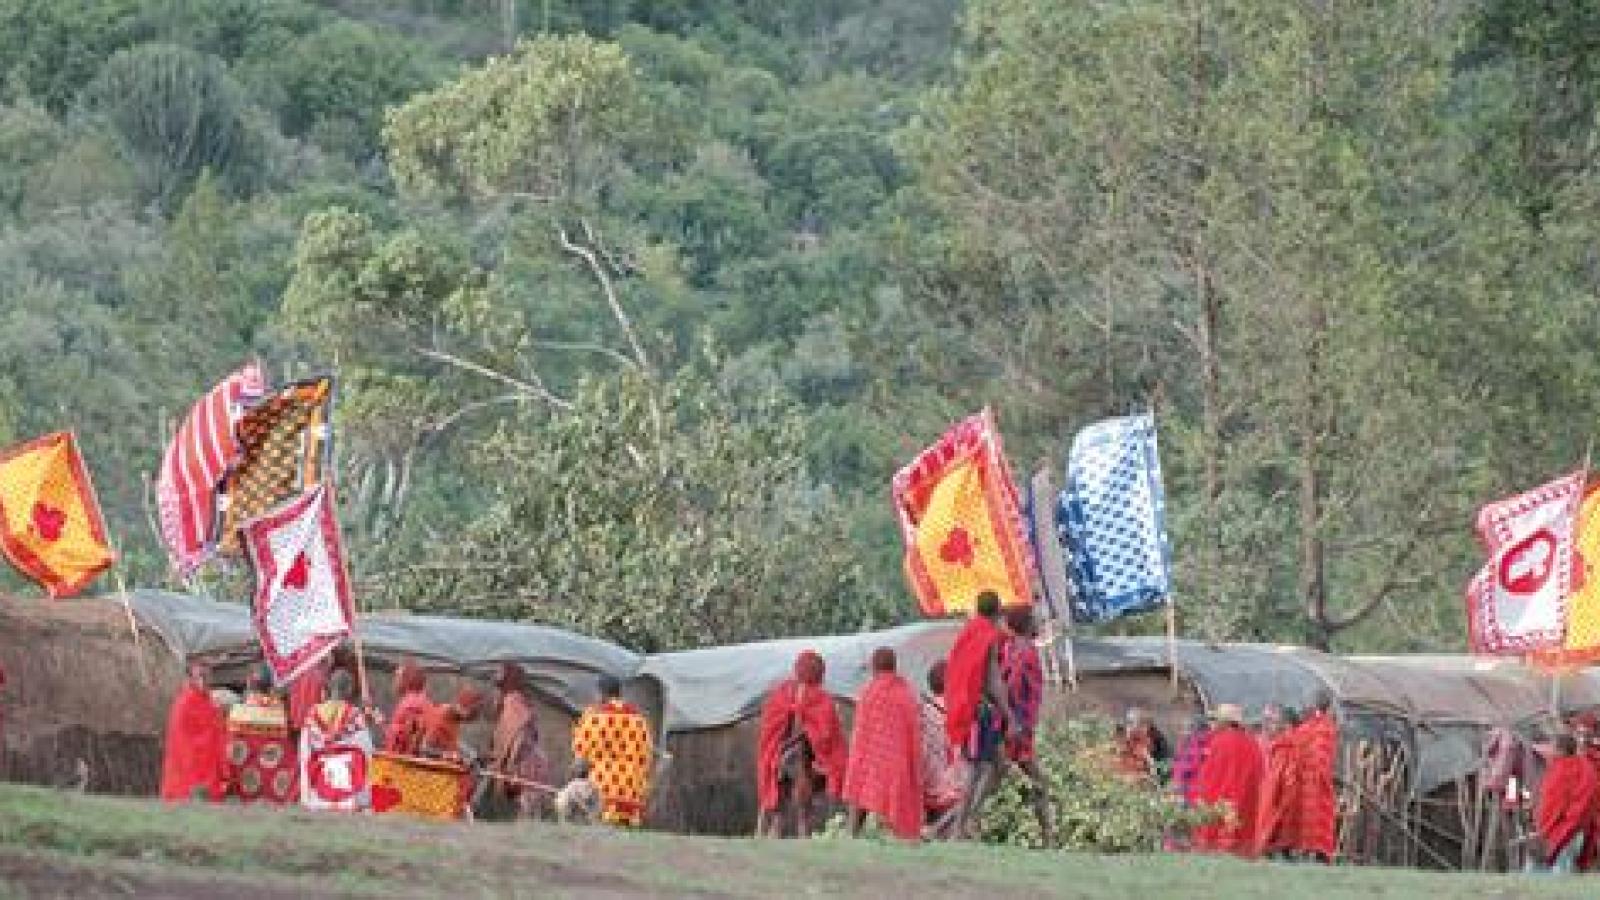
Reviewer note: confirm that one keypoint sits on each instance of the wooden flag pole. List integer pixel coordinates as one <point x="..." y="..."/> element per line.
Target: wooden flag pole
<point x="1172" y="640"/>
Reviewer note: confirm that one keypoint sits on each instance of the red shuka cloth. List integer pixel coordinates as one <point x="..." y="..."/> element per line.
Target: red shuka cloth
<point x="1566" y="802"/>
<point x="405" y="726"/>
<point x="1231" y="774"/>
<point x="1319" y="801"/>
<point x="305" y="692"/>
<point x="1278" y="814"/>
<point x="885" y="774"/>
<point x="197" y="740"/>
<point x="820" y="722"/>
<point x="964" y="676"/>
<point x="1591" y="845"/>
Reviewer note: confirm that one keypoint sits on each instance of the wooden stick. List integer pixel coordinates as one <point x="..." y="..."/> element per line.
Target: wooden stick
<point x="1172" y="640"/>
<point x="133" y="624"/>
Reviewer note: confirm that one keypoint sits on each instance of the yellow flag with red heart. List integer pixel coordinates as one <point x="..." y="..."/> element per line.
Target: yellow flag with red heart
<point x="51" y="528"/>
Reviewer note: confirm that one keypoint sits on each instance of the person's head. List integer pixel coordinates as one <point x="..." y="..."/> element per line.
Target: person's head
<point x="511" y="679"/>
<point x="1565" y="744"/>
<point x="1288" y="719"/>
<point x="258" y="680"/>
<point x="341" y="685"/>
<point x="988" y="605"/>
<point x="883" y="661"/>
<point x="1271" y="717"/>
<point x="936" y="678"/>
<point x="809" y="668"/>
<point x="199" y="673"/>
<point x="409" y="678"/>
<point x="1322" y="703"/>
<point x="1228" y="715"/>
<point x="610" y="687"/>
<point x="469" y="702"/>
<point x="1021" y="622"/>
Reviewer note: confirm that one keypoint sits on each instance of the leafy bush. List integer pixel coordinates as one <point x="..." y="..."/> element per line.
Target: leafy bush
<point x="1095" y="810"/>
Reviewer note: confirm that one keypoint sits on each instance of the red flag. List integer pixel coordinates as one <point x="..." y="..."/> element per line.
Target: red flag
<point x="303" y="607"/>
<point x="1517" y="603"/>
<point x="202" y="450"/>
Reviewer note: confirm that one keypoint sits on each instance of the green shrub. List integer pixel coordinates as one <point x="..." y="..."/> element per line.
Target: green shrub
<point x="1094" y="809"/>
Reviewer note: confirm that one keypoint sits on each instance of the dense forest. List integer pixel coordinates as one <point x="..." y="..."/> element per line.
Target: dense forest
<point x="636" y="306"/>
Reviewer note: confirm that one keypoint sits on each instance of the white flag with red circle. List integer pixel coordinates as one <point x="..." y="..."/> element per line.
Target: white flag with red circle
<point x="1517" y="601"/>
<point x="303" y="607"/>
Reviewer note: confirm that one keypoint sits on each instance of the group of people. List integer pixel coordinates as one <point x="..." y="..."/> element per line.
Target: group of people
<point x="922" y="764"/>
<point x="314" y="744"/>
<point x="1567" y="812"/>
<point x="1273" y="788"/>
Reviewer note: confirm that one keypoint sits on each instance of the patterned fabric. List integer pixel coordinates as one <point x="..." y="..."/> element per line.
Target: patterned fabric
<point x="943" y="775"/>
<point x="615" y="740"/>
<point x="50" y="523"/>
<point x="335" y="758"/>
<point x="1113" y="520"/>
<point x="1186" y="768"/>
<point x="1517" y="602"/>
<point x="1581" y="645"/>
<point x="1319" y="800"/>
<point x="429" y="788"/>
<point x="303" y="607"/>
<point x="283" y="451"/>
<point x="1044" y="538"/>
<point x="201" y="451"/>
<point x="262" y="765"/>
<point x="959" y="517"/>
<point x="1024" y="679"/>
<point x="1278" y="825"/>
<point x="885" y="771"/>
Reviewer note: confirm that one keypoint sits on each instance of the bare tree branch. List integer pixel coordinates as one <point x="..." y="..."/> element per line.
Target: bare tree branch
<point x="536" y="390"/>
<point x="582" y="347"/>
<point x="588" y="255"/>
<point x="445" y="423"/>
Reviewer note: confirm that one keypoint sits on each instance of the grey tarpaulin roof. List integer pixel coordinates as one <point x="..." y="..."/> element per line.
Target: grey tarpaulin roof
<point x="717" y="686"/>
<point x="562" y="664"/>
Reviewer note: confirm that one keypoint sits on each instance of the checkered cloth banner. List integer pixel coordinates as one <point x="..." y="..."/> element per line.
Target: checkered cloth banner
<point x="1113" y="520"/>
<point x="283" y="451"/>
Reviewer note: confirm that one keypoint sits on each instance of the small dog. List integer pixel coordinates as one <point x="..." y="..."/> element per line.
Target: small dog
<point x="579" y="802"/>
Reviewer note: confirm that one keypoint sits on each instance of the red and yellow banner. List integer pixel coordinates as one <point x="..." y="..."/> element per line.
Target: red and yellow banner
<point x="50" y="523"/>
<point x="960" y="519"/>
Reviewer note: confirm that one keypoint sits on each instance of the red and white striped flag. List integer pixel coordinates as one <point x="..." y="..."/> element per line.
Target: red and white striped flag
<point x="202" y="450"/>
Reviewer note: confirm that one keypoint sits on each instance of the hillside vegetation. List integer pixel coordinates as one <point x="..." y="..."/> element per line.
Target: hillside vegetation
<point x="636" y="306"/>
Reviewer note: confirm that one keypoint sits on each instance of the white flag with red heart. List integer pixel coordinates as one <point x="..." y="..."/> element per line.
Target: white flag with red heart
<point x="1517" y="603"/>
<point x="303" y="608"/>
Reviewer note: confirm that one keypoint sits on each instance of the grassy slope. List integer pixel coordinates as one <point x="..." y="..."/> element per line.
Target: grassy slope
<point x="54" y="844"/>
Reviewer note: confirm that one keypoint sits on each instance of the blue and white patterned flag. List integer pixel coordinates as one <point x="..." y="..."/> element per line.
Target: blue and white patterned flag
<point x="1113" y="521"/>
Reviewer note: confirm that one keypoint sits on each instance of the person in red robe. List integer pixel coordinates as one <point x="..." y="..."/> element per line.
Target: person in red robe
<point x="197" y="740"/>
<point x="1230" y="778"/>
<point x="977" y="705"/>
<point x="307" y="691"/>
<point x="404" y="734"/>
<point x="1566" y="806"/>
<point x="800" y="749"/>
<point x="1278" y="816"/>
<point x="885" y="772"/>
<point x="441" y="725"/>
<point x="1319" y="799"/>
<point x="1023" y="674"/>
<point x="1586" y="731"/>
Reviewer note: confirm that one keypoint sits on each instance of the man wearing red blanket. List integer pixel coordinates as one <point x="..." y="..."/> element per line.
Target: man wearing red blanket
<point x="885" y="772"/>
<point x="1319" y="802"/>
<point x="801" y="748"/>
<point x="978" y="715"/>
<point x="1566" y="806"/>
<point x="197" y="739"/>
<point x="1230" y="778"/>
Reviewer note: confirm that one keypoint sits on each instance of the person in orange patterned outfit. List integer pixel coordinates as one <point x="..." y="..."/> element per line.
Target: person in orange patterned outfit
<point x="613" y="737"/>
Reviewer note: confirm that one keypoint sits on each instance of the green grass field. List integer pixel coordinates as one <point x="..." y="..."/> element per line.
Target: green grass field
<point x="68" y="845"/>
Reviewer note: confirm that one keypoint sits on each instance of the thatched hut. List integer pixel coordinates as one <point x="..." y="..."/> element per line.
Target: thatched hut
<point x="81" y="687"/>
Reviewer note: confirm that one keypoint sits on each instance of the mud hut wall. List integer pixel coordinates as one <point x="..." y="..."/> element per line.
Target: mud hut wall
<point x="77" y="688"/>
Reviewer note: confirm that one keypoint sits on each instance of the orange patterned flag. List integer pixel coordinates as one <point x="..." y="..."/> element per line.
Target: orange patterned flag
<point x="1582" y="644"/>
<point x="959" y="515"/>
<point x="50" y="523"/>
